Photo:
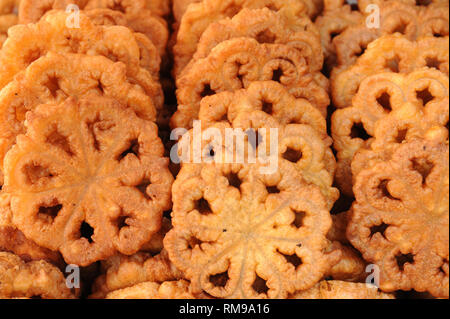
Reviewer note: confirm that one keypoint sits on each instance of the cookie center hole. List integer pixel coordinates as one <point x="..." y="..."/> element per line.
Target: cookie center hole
<point x="277" y="74"/>
<point x="273" y="190"/>
<point x="292" y="155"/>
<point x="433" y="63"/>
<point x="358" y="131"/>
<point x="379" y="229"/>
<point x="142" y="188"/>
<point x="219" y="280"/>
<point x="260" y="285"/>
<point x="425" y="96"/>
<point x="122" y="222"/>
<point x="60" y="141"/>
<point x="294" y="260"/>
<point x="383" y="187"/>
<point x="299" y="220"/>
<point x="207" y="91"/>
<point x="384" y="100"/>
<point x="267" y="107"/>
<point x="132" y="149"/>
<point x="393" y="64"/>
<point x="194" y="242"/>
<point x="203" y="207"/>
<point x="53" y="86"/>
<point x="400" y="28"/>
<point x="86" y="232"/>
<point x="234" y="180"/>
<point x="423" y="167"/>
<point x="34" y="173"/>
<point x="404" y="259"/>
<point x="266" y="36"/>
<point x="50" y="212"/>
<point x="401" y="136"/>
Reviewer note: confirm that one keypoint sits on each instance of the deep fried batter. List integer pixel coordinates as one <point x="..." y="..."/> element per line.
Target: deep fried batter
<point x="52" y="33"/>
<point x="200" y="15"/>
<point x="88" y="179"/>
<point x="55" y="77"/>
<point x="235" y="64"/>
<point x="400" y="219"/>
<point x="389" y="108"/>
<point x="30" y="280"/>
<point x="392" y="53"/>
<point x="124" y="272"/>
<point x="236" y="231"/>
<point x="266" y="26"/>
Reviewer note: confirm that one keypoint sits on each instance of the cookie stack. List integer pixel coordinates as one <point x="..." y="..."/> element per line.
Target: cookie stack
<point x="390" y="86"/>
<point x="308" y="142"/>
<point x="83" y="171"/>
<point x="254" y="67"/>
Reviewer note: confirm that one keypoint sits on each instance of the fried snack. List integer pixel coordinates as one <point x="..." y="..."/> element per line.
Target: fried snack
<point x="392" y="53"/>
<point x="200" y="15"/>
<point x="404" y="106"/>
<point x="152" y="290"/>
<point x="124" y="272"/>
<point x="342" y="290"/>
<point x="13" y="240"/>
<point x="305" y="144"/>
<point x="137" y="16"/>
<point x="411" y="21"/>
<point x="266" y="97"/>
<point x="236" y="231"/>
<point x="351" y="266"/>
<point x="30" y="280"/>
<point x="53" y="78"/>
<point x="8" y="17"/>
<point x="266" y="26"/>
<point x="52" y="33"/>
<point x="401" y="217"/>
<point x="88" y="179"/>
<point x="336" y="18"/>
<point x="235" y="64"/>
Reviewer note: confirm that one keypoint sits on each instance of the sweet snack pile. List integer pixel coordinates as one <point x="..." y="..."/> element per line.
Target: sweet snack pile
<point x="221" y="149"/>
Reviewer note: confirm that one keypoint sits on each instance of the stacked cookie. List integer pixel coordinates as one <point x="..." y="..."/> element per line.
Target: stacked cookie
<point x="83" y="169"/>
<point x="240" y="67"/>
<point x="390" y="86"/>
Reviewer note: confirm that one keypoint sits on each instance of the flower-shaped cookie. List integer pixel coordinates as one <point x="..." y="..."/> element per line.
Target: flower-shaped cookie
<point x="235" y="64"/>
<point x="389" y="109"/>
<point x="266" y="26"/>
<point x="242" y="234"/>
<point x="390" y="53"/>
<point x="54" y="78"/>
<point x="400" y="219"/>
<point x="88" y="179"/>
<point x="200" y="15"/>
